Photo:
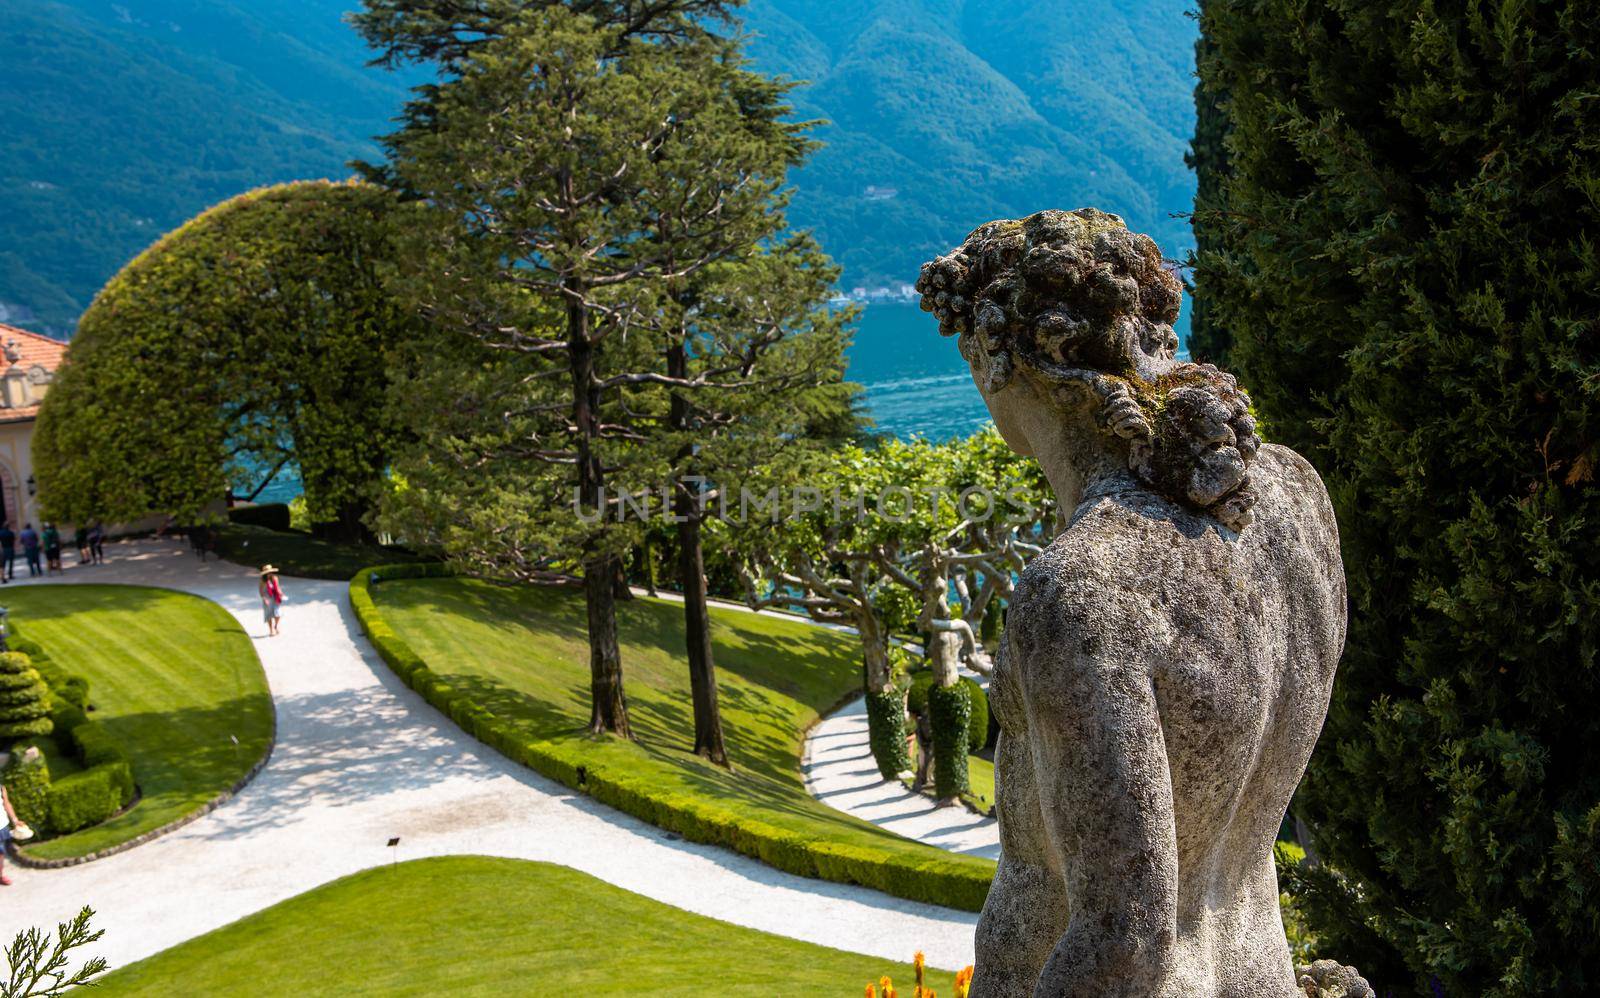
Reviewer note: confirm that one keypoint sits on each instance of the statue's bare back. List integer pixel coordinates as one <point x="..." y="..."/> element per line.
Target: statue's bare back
<point x="1162" y="684"/>
<point x="1168" y="660"/>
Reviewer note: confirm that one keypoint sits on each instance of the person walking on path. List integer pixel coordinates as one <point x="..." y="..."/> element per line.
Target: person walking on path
<point x="30" y="548"/>
<point x="52" y="548"/>
<point x="271" y="598"/>
<point x="80" y="540"/>
<point x="97" y="543"/>
<point x="8" y="552"/>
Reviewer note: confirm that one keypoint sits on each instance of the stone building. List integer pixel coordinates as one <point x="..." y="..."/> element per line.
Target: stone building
<point x="28" y="363"/>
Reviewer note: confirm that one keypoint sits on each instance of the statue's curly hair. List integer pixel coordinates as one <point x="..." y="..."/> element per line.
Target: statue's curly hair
<point x="1084" y="307"/>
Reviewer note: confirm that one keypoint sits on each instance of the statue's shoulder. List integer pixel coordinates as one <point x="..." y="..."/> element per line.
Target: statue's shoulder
<point x="1292" y="495"/>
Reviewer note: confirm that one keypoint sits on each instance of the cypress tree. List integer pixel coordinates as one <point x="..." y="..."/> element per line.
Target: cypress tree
<point x="1411" y="285"/>
<point x="1208" y="158"/>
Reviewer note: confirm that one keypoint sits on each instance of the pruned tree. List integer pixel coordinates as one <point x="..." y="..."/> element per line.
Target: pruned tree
<point x="251" y="338"/>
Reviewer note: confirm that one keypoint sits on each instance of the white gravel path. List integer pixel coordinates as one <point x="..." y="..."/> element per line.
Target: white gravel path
<point x="361" y="758"/>
<point x="840" y="772"/>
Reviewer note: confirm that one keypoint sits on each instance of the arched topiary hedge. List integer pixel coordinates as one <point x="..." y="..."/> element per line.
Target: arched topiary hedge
<point x="252" y="335"/>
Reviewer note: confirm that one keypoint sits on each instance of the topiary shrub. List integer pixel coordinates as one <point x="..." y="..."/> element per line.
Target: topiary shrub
<point x="951" y="708"/>
<point x="978" y="722"/>
<point x="27" y="782"/>
<point x="272" y="515"/>
<point x="978" y="700"/>
<point x="73" y="689"/>
<point x="89" y="797"/>
<point x="24" y="698"/>
<point x="886" y="718"/>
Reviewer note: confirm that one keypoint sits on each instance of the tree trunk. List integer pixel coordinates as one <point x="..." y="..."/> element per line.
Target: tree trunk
<point x="692" y="578"/>
<point x="697" y="632"/>
<point x="609" y="710"/>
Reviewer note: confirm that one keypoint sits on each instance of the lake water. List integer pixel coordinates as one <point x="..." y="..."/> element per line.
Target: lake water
<point x="915" y="379"/>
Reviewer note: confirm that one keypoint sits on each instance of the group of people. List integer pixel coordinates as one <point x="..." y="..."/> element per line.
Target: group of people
<point x="90" y="540"/>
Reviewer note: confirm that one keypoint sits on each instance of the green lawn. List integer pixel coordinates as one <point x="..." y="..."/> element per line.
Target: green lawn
<point x="522" y="652"/>
<point x="299" y="554"/>
<point x="171" y="677"/>
<point x="980" y="781"/>
<point x="474" y="925"/>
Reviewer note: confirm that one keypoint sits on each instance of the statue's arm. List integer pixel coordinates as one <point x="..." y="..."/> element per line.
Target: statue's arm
<point x="1105" y="795"/>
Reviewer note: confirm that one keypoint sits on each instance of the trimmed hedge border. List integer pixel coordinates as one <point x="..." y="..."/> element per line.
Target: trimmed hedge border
<point x="23" y="859"/>
<point x="105" y="762"/>
<point x="960" y="882"/>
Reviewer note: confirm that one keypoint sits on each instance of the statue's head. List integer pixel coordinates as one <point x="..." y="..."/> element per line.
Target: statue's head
<point x="1068" y="309"/>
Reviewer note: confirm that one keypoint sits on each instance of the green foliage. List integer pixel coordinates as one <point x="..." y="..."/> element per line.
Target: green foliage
<point x="27" y="784"/>
<point x="951" y="710"/>
<point x="38" y="966"/>
<point x="301" y="555"/>
<point x="940" y="121"/>
<point x="978" y="715"/>
<point x="24" y="698"/>
<point x="271" y="515"/>
<point x="902" y="869"/>
<point x="1411" y="283"/>
<point x="71" y="687"/>
<point x="1208" y="158"/>
<point x="977" y="700"/>
<point x="252" y="335"/>
<point x="76" y="799"/>
<point x="886" y="728"/>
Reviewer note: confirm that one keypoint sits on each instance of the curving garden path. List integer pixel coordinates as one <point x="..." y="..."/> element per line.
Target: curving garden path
<point x="840" y="772"/>
<point x="361" y="759"/>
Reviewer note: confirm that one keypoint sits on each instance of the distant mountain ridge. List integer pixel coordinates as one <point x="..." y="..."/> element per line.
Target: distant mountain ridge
<point x="120" y="120"/>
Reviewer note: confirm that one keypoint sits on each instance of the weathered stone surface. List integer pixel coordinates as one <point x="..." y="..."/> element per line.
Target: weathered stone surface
<point x="1168" y="660"/>
<point x="1326" y="979"/>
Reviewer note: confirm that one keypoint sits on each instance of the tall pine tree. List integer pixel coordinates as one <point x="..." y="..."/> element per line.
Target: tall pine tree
<point x="1410" y="281"/>
<point x="580" y="182"/>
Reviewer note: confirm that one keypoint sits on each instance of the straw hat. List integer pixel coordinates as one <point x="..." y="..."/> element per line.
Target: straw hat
<point x="269" y="569"/>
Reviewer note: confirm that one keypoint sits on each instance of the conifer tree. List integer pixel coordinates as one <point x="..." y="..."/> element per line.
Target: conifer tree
<point x="1411" y="285"/>
<point x="576" y="180"/>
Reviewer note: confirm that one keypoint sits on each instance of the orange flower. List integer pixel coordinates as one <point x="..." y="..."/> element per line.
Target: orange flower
<point x="872" y="992"/>
<point x="886" y="984"/>
<point x="918" y="961"/>
<point x="964" y="982"/>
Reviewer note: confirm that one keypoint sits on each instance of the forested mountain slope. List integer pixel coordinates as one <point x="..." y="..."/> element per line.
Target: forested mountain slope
<point x="120" y="120"/>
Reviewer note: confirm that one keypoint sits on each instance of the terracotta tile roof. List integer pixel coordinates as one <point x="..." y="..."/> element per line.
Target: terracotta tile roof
<point x="37" y="350"/>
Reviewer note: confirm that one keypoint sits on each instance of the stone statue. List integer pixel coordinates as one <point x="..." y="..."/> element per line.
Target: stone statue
<point x="1167" y="661"/>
